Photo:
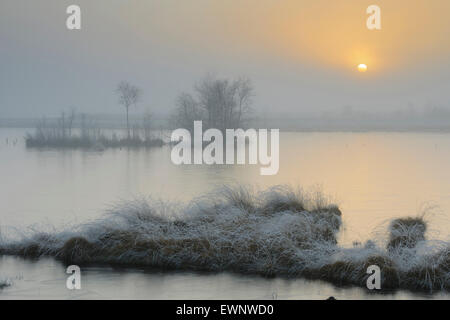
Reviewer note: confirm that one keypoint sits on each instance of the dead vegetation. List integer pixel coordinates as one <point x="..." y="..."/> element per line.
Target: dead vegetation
<point x="276" y="232"/>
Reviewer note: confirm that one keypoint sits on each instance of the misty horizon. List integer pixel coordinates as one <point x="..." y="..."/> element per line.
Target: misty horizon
<point x="138" y="43"/>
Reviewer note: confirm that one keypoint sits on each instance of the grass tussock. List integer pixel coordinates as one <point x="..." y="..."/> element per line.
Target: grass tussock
<point x="406" y="232"/>
<point x="275" y="232"/>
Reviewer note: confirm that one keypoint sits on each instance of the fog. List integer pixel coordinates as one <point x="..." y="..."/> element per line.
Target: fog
<point x="300" y="55"/>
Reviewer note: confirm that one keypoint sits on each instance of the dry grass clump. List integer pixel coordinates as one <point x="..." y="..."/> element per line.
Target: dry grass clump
<point x="406" y="232"/>
<point x="76" y="250"/>
<point x="279" y="231"/>
<point x="431" y="271"/>
<point x="346" y="268"/>
<point x="230" y="229"/>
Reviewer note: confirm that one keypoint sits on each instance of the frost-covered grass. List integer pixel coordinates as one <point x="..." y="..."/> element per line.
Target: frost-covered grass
<point x="406" y="232"/>
<point x="276" y="232"/>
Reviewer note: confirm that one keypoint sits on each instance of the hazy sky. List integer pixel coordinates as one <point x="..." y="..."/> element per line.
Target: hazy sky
<point x="301" y="54"/>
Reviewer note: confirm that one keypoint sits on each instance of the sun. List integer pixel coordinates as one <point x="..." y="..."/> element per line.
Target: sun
<point x="362" y="67"/>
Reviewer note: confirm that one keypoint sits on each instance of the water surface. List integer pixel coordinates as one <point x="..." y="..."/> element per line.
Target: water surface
<point x="373" y="177"/>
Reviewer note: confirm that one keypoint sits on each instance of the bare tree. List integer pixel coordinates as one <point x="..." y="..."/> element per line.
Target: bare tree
<point x="70" y="121"/>
<point x="128" y="95"/>
<point x="244" y="96"/>
<point x="225" y="102"/>
<point x="187" y="112"/>
<point x="147" y="125"/>
<point x="65" y="123"/>
<point x="219" y="103"/>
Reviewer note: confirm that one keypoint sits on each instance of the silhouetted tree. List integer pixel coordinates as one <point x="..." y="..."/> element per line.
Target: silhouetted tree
<point x="128" y="95"/>
<point x="187" y="111"/>
<point x="219" y="103"/>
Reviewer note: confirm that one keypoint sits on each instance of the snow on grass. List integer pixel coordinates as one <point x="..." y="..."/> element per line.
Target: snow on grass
<point x="275" y="232"/>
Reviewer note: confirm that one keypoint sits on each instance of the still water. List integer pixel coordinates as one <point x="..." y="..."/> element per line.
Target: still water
<point x="373" y="177"/>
